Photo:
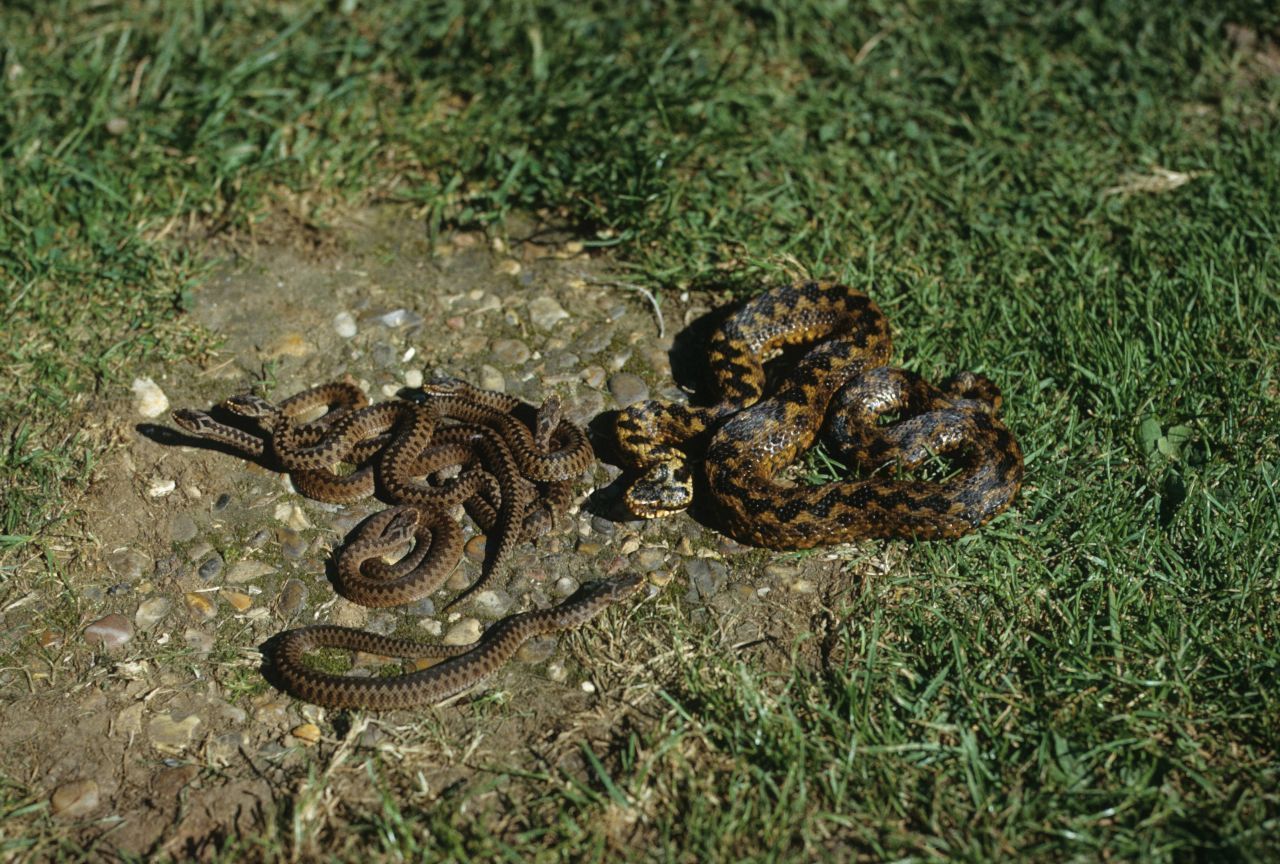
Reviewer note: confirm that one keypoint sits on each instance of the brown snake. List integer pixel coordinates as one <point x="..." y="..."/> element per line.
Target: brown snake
<point x="512" y="479"/>
<point x="750" y="437"/>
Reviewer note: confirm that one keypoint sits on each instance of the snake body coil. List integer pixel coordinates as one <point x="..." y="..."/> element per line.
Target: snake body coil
<point x="750" y="437"/>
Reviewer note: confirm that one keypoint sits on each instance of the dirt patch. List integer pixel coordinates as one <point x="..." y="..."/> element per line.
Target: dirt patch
<point x="172" y="742"/>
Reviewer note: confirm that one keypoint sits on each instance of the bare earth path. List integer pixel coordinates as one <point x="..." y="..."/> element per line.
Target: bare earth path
<point x="141" y="721"/>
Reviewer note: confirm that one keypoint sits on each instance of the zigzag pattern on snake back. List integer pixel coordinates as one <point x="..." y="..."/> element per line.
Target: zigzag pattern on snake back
<point x="749" y="437"/>
<point x="514" y="480"/>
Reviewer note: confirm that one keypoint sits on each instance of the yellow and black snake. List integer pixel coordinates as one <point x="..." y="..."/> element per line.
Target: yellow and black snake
<point x="841" y="383"/>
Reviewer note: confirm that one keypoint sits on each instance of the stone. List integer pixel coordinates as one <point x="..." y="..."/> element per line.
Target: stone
<point x="161" y="487"/>
<point x="565" y="586"/>
<point x="210" y="568"/>
<point x="127" y="564"/>
<point x="148" y="399"/>
<point x="151" y="612"/>
<point x="463" y="632"/>
<point x="651" y="558"/>
<point x="706" y="578"/>
<point x="510" y="352"/>
<point x="182" y="528"/>
<point x="109" y="632"/>
<point x="307" y="733"/>
<point x="628" y="389"/>
<point x="200" y="606"/>
<point x="492" y="602"/>
<point x="170" y="734"/>
<point x="344" y="324"/>
<point x="492" y="379"/>
<point x="75" y="799"/>
<point x="198" y="640"/>
<point x="293" y="597"/>
<point x="475" y="548"/>
<point x="537" y="650"/>
<point x="545" y="312"/>
<point x="238" y="599"/>
<point x="248" y="570"/>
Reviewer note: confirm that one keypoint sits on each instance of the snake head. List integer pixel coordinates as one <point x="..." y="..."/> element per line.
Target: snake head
<point x="664" y="489"/>
<point x="402" y="526"/>
<point x="195" y="422"/>
<point x="249" y="405"/>
<point x="446" y="385"/>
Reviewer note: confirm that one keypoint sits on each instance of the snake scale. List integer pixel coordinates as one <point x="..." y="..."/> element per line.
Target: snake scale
<point x="841" y="383"/>
<point x="513" y="478"/>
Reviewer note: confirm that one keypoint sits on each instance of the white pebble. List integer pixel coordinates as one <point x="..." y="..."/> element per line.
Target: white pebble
<point x="161" y="488"/>
<point x="344" y="324"/>
<point x="588" y="687"/>
<point x="491" y="379"/>
<point x="148" y="399"/>
<point x="413" y="378"/>
<point x="291" y="515"/>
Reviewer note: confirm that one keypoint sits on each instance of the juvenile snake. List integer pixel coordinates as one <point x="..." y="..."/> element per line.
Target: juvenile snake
<point x="749" y="436"/>
<point x="514" y="480"/>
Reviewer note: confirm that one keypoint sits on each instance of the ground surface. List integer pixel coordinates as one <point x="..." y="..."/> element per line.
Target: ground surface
<point x="1077" y="200"/>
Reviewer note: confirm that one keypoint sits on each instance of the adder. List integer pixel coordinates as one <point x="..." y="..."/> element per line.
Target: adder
<point x="750" y="437"/>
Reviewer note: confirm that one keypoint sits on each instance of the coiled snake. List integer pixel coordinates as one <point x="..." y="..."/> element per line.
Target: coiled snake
<point x="842" y="383"/>
<point x="514" y="480"/>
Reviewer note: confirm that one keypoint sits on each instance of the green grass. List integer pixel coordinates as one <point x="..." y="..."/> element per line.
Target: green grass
<point x="1094" y="674"/>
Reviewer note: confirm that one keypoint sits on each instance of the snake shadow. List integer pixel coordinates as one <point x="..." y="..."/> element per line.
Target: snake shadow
<point x="168" y="436"/>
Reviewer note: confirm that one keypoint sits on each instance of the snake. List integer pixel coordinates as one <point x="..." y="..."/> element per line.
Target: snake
<point x="749" y="437"/>
<point x="513" y="479"/>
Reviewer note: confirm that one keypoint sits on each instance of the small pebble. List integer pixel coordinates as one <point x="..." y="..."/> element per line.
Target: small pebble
<point x="107" y="633"/>
<point x="564" y="586"/>
<point x="127" y="563"/>
<point x="291" y="515"/>
<point x="593" y="376"/>
<point x="556" y="671"/>
<point x="293" y="596"/>
<point x="151" y="612"/>
<point x="238" y="599"/>
<point x="413" y="378"/>
<point x="148" y="399"/>
<point x="259" y="539"/>
<point x="510" y="352"/>
<point x="117" y="126"/>
<point x="161" y="487"/>
<point x="491" y="379"/>
<point x="627" y="388"/>
<point x="492" y="602"/>
<point x="210" y="569"/>
<point x="198" y="640"/>
<point x="475" y="547"/>
<point x="222" y="501"/>
<point x="307" y="733"/>
<point x="247" y="570"/>
<point x="509" y="267"/>
<point x="75" y="799"/>
<point x="651" y="558"/>
<point x="464" y="632"/>
<point x="545" y="312"/>
<point x="292" y="544"/>
<point x="200" y="606"/>
<point x="171" y="735"/>
<point x="396" y="318"/>
<point x="802" y="586"/>
<point x="537" y="650"/>
<point x="780" y="571"/>
<point x="344" y="325"/>
<point x="196" y="551"/>
<point x="706" y="578"/>
<point x="182" y="528"/>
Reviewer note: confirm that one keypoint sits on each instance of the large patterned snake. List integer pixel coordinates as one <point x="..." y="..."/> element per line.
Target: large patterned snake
<point x="842" y="382"/>
<point x="513" y="477"/>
